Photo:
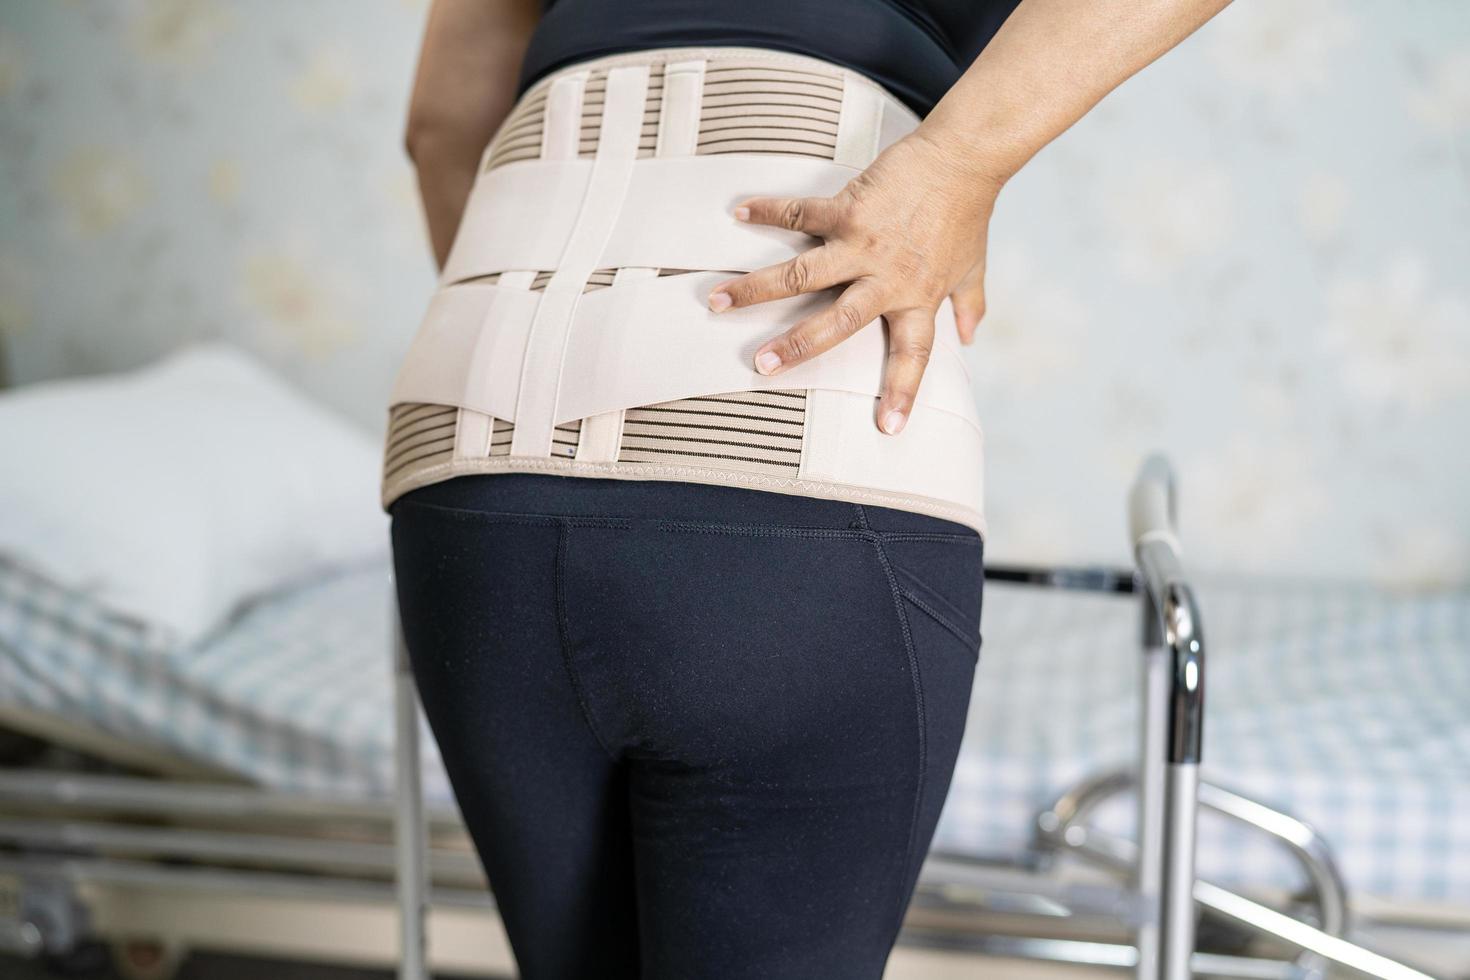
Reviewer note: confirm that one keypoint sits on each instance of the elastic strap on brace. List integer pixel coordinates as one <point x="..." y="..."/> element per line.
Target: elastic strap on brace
<point x="678" y="135"/>
<point x="832" y="413"/>
<point x="551" y="327"/>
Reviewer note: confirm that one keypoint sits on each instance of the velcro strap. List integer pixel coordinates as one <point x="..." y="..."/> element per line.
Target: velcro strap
<point x="538" y="395"/>
<point x="936" y="455"/>
<point x="623" y="339"/>
<point x="675" y="214"/>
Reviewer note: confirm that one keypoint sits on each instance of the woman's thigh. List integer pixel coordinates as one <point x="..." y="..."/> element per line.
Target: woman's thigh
<point x="544" y="804"/>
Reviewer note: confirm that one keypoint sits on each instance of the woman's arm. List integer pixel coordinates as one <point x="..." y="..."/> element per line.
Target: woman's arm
<point x="911" y="229"/>
<point x="464" y="88"/>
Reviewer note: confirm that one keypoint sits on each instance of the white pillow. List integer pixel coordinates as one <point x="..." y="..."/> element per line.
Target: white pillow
<point x="175" y="493"/>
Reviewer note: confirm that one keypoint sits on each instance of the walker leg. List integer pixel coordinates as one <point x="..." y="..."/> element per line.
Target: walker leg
<point x="409" y="832"/>
<point x="1149" y="871"/>
<point x="1176" y="935"/>
<point x="1171" y="626"/>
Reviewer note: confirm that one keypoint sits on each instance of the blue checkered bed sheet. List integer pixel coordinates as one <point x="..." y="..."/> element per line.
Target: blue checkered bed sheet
<point x="296" y="693"/>
<point x="1345" y="706"/>
<point x="1348" y="707"/>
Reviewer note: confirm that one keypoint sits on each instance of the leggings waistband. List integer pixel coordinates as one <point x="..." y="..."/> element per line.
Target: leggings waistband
<point x="554" y="495"/>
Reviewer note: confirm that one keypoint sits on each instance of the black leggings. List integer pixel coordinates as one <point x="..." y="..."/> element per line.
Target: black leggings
<point x="695" y="731"/>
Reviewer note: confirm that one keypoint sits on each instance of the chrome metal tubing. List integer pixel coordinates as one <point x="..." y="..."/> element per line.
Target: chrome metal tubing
<point x="1301" y="839"/>
<point x="1149" y="805"/>
<point x="1171" y="621"/>
<point x="1061" y="825"/>
<point x="53" y="789"/>
<point x="1121" y="855"/>
<point x="1179" y="619"/>
<point x="1111" y="956"/>
<point x="267" y="884"/>
<point x="410" y="831"/>
<point x="1302" y="935"/>
<point x="1079" y="800"/>
<point x="1176" y="897"/>
<point x="369" y="858"/>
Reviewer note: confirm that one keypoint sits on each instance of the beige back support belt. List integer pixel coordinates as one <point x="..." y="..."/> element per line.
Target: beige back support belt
<point x="570" y="334"/>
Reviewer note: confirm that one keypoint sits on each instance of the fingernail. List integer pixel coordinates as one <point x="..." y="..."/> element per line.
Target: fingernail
<point x="893" y="422"/>
<point x="767" y="361"/>
<point x="742" y="214"/>
<point x="719" y="301"/>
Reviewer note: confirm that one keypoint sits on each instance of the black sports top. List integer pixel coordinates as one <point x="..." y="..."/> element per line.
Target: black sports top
<point x="916" y="49"/>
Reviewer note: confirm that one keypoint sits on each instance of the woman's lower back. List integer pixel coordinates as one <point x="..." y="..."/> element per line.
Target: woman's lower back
<point x="482" y="367"/>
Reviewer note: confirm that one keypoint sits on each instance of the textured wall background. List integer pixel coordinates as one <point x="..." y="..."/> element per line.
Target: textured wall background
<point x="1255" y="255"/>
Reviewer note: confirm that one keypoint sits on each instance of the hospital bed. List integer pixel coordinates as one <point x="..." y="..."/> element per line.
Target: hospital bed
<point x="258" y="791"/>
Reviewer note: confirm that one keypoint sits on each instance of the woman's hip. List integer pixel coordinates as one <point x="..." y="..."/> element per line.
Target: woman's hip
<point x="776" y="685"/>
<point x="679" y="566"/>
<point x="706" y="622"/>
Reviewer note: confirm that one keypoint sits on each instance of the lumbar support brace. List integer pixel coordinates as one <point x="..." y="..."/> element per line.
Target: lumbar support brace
<point x="515" y="371"/>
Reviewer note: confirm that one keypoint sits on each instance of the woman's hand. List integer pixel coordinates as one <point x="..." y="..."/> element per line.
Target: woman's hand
<point x="903" y="234"/>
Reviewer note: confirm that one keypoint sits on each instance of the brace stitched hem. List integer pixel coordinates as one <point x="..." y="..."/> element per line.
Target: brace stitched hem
<point x="716" y="53"/>
<point x="571" y="467"/>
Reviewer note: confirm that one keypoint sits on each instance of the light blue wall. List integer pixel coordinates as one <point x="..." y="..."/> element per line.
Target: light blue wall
<point x="1255" y="255"/>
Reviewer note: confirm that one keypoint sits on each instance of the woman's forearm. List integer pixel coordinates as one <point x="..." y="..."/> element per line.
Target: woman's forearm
<point x="1052" y="61"/>
<point x="463" y="90"/>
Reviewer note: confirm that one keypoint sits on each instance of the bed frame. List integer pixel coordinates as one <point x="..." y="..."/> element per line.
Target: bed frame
<point x="155" y="866"/>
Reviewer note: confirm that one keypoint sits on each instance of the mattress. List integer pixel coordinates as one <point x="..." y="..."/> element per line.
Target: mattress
<point x="1342" y="705"/>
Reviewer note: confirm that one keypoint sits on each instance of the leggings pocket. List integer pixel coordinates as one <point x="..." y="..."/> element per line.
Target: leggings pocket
<point x="932" y="606"/>
<point x="944" y="581"/>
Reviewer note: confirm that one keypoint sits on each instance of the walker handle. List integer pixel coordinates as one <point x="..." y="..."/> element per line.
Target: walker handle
<point x="1152" y="512"/>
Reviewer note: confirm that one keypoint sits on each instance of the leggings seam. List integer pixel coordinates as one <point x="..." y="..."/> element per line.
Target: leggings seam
<point x="942" y="620"/>
<point x="515" y="516"/>
<point x="760" y="531"/>
<point x="923" y="767"/>
<point x="563" y="634"/>
<point x="935" y="537"/>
